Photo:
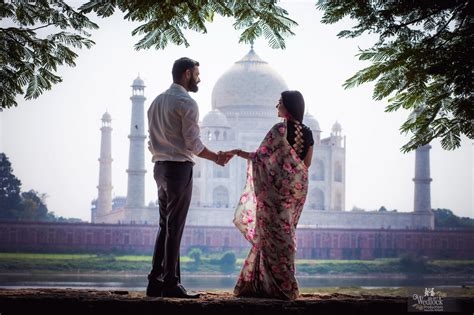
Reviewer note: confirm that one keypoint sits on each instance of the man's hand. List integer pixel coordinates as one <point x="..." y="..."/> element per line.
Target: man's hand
<point x="224" y="157"/>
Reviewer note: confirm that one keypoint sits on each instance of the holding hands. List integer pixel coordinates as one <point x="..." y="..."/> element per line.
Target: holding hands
<point x="223" y="157"/>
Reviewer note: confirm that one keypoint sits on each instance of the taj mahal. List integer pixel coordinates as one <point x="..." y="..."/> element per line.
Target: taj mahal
<point x="243" y="110"/>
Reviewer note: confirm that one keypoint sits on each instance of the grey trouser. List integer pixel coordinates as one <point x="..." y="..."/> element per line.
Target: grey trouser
<point x="175" y="185"/>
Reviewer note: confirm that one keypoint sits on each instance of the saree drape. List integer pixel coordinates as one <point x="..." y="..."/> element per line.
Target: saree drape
<point x="267" y="215"/>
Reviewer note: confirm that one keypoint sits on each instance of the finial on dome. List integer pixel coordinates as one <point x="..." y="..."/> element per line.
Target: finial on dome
<point x="251" y="45"/>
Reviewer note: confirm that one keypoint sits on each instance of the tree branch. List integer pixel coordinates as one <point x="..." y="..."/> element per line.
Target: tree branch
<point x="39" y="27"/>
<point x="446" y="24"/>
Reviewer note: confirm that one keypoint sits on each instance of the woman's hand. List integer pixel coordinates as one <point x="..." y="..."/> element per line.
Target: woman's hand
<point x="240" y="153"/>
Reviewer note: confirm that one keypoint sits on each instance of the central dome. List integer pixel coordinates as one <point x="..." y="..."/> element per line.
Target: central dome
<point x="250" y="82"/>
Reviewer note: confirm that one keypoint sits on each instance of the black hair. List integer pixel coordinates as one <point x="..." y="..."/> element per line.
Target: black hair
<point x="180" y="66"/>
<point x="294" y="104"/>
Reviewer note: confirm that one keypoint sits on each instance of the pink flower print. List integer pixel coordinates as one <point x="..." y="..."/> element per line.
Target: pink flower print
<point x="275" y="269"/>
<point x="244" y="198"/>
<point x="285" y="191"/>
<point x="298" y="186"/>
<point x="285" y="182"/>
<point x="281" y="130"/>
<point x="286" y="286"/>
<point x="273" y="159"/>
<point x="292" y="151"/>
<point x="263" y="150"/>
<point x="287" y="167"/>
<point x="287" y="205"/>
<point x="270" y="140"/>
<point x="250" y="234"/>
<point x="249" y="220"/>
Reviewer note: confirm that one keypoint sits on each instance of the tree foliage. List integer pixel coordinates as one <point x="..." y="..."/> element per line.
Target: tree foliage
<point x="445" y="218"/>
<point x="165" y="21"/>
<point x="421" y="62"/>
<point x="29" y="60"/>
<point x="10" y="187"/>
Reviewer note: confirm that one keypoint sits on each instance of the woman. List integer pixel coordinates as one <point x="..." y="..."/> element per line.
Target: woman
<point x="272" y="201"/>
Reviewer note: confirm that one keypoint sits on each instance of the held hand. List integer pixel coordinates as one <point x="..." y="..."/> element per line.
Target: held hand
<point x="235" y="152"/>
<point x="229" y="155"/>
<point x="222" y="158"/>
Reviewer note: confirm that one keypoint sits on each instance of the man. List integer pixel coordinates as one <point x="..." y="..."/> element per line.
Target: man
<point x="173" y="140"/>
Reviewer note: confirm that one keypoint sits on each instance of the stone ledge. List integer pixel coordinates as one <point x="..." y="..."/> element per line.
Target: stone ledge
<point x="74" y="301"/>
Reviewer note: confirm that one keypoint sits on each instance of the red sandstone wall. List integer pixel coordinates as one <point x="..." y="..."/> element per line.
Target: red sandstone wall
<point x="312" y="243"/>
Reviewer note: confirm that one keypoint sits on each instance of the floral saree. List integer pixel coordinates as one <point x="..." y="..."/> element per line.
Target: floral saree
<point x="267" y="215"/>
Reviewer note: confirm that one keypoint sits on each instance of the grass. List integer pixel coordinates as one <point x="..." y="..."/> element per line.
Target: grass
<point x="141" y="263"/>
<point x="45" y="256"/>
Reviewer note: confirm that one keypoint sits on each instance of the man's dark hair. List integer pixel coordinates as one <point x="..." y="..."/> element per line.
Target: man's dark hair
<point x="294" y="104"/>
<point x="180" y="66"/>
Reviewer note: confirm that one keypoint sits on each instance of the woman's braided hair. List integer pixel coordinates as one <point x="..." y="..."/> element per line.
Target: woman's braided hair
<point x="294" y="104"/>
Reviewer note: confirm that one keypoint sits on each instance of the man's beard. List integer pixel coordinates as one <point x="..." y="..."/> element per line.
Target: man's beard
<point x="192" y="85"/>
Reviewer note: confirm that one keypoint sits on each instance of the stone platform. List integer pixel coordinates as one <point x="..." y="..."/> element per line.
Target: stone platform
<point x="74" y="301"/>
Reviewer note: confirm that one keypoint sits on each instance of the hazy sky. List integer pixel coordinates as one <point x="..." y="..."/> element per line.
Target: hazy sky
<point x="53" y="142"/>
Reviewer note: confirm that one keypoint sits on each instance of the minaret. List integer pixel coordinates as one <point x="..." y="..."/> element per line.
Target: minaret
<point x="136" y="159"/>
<point x="104" y="199"/>
<point x="422" y="179"/>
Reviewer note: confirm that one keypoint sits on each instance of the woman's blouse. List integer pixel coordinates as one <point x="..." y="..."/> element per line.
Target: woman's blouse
<point x="300" y="138"/>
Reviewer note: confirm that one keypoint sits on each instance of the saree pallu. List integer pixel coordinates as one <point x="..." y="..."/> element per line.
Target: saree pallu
<point x="267" y="215"/>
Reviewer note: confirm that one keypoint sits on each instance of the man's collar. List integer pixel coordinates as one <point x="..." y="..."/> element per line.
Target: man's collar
<point x="179" y="87"/>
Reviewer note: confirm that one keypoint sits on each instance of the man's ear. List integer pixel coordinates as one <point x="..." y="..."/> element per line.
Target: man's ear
<point x="187" y="74"/>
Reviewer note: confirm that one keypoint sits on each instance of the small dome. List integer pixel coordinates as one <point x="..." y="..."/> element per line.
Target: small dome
<point x="106" y="117"/>
<point x="251" y="83"/>
<point x="138" y="82"/>
<point x="311" y="122"/>
<point x="215" y="118"/>
<point x="336" y="127"/>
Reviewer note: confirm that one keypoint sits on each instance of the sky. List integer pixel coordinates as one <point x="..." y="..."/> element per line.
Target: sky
<point x="53" y="142"/>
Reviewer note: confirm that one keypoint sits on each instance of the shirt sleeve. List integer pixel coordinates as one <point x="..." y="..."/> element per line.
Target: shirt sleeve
<point x="190" y="128"/>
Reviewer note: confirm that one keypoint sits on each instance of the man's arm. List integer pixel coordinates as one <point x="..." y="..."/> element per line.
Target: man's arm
<point x="219" y="158"/>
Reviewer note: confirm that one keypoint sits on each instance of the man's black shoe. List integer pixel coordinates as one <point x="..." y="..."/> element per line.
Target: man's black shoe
<point x="154" y="288"/>
<point x="178" y="292"/>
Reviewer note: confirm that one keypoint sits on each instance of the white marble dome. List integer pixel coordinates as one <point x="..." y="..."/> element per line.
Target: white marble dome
<point x="249" y="82"/>
<point x="311" y="122"/>
<point x="215" y="118"/>
<point x="336" y="127"/>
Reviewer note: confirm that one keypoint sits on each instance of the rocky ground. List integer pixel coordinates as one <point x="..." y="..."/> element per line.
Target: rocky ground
<point x="74" y="301"/>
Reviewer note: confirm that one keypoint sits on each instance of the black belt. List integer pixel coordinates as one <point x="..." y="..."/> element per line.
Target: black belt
<point x="172" y="162"/>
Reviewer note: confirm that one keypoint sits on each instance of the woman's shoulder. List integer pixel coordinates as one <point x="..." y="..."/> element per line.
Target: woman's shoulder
<point x="277" y="126"/>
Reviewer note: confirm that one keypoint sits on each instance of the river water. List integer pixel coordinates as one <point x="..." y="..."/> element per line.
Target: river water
<point x="133" y="282"/>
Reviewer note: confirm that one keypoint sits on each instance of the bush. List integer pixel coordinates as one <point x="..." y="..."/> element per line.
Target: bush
<point x="412" y="263"/>
<point x="227" y="262"/>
